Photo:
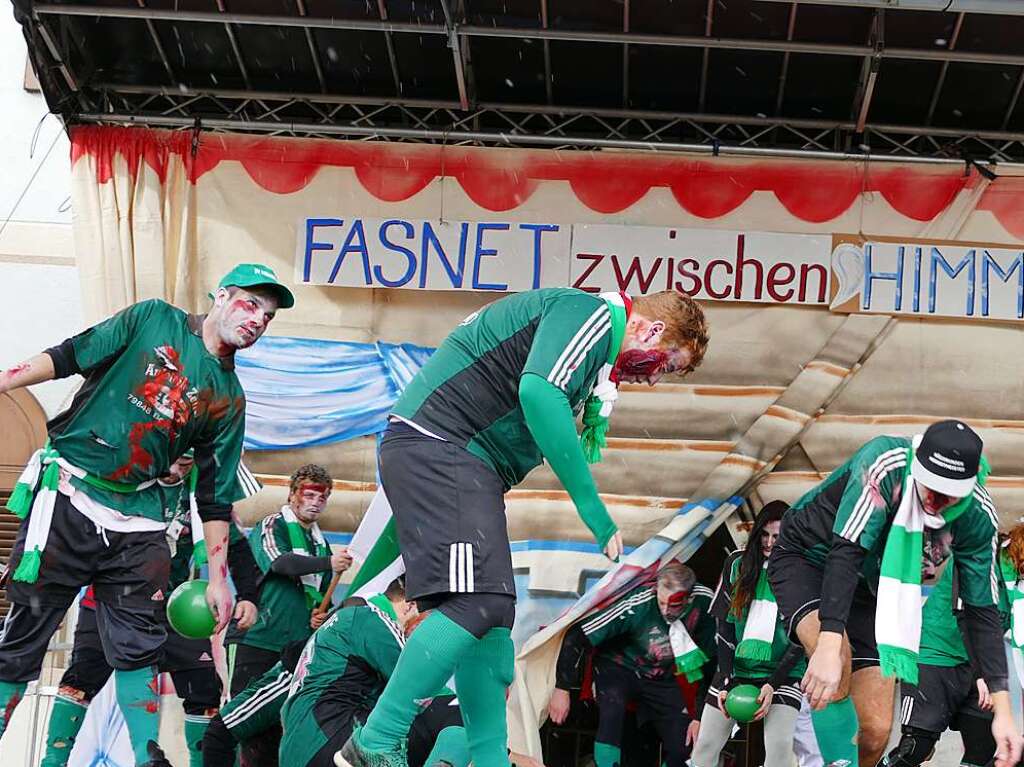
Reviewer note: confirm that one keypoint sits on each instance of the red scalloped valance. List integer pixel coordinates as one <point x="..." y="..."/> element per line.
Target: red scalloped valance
<point x="814" y="191"/>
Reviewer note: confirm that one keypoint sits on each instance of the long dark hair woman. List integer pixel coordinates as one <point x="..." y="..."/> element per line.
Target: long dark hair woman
<point x="752" y="649"/>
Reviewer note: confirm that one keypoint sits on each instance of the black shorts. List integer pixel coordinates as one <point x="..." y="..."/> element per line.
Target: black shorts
<point x="422" y="735"/>
<point x="189" y="662"/>
<point x="659" y="701"/>
<point x="127" y="570"/>
<point x="796" y="584"/>
<point x="941" y="697"/>
<point x="449" y="509"/>
<point x="788" y="694"/>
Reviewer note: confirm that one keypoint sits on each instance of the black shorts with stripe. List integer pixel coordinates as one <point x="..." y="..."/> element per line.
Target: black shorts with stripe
<point x="449" y="509"/>
<point x="788" y="694"/>
<point x="796" y="583"/>
<point x="941" y="698"/>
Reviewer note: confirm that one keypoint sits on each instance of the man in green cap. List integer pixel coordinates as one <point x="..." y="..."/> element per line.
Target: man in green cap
<point x="158" y="382"/>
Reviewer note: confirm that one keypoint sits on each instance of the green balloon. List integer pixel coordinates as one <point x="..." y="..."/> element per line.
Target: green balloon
<point x="741" y="702"/>
<point x="187" y="611"/>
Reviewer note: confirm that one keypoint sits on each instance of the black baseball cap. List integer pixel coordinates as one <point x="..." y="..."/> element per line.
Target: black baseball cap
<point x="947" y="458"/>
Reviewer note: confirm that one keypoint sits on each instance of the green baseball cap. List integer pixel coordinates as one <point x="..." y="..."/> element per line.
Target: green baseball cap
<point x="251" y="275"/>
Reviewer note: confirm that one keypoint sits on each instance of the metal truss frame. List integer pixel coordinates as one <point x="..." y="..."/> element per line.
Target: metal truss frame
<point x="317" y="114"/>
<point x="468" y="121"/>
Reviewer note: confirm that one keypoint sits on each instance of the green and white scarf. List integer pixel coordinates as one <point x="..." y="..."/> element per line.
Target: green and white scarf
<point x="761" y="622"/>
<point x="898" y="610"/>
<point x="35" y="496"/>
<point x="297" y="540"/>
<point x="598" y="407"/>
<point x="1015" y="596"/>
<point x="199" y="557"/>
<point x="689" y="657"/>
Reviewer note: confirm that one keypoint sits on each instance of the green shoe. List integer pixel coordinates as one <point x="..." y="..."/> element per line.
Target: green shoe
<point x="354" y="755"/>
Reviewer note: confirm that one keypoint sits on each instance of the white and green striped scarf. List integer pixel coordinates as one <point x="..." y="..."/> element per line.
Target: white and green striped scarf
<point x="761" y="621"/>
<point x="1015" y="596"/>
<point x="199" y="557"/>
<point x="297" y="539"/>
<point x="898" y="609"/>
<point x="689" y="657"/>
<point x="598" y="407"/>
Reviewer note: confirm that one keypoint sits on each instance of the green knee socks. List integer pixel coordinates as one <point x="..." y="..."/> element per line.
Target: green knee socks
<point x="425" y="665"/>
<point x="195" y="729"/>
<point x="140" y="706"/>
<point x="450" y="748"/>
<point x="10" y="696"/>
<point x="835" y="727"/>
<point x="66" y="720"/>
<point x="481" y="680"/>
<point x="606" y="755"/>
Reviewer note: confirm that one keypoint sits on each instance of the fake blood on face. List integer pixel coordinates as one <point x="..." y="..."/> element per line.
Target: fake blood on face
<point x="634" y="364"/>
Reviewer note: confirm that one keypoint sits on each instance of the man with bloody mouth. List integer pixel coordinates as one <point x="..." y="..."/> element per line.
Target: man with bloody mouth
<point x="158" y="382"/>
<point x="296" y="566"/>
<point x="498" y="397"/>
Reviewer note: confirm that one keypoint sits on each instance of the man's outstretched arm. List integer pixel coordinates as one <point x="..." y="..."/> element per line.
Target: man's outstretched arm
<point x="551" y="422"/>
<point x="32" y="371"/>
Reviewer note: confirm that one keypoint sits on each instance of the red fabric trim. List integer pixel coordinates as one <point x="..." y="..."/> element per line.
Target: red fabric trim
<point x="500" y="180"/>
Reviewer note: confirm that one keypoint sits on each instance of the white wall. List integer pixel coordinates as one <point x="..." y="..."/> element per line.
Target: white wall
<point x="39" y="290"/>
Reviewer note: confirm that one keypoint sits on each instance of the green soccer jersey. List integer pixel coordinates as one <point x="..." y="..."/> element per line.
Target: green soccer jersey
<point x="340" y="674"/>
<point x="746" y="667"/>
<point x="284" y="610"/>
<point x="152" y="390"/>
<point x="468" y="391"/>
<point x="633" y="633"/>
<point x="858" y="501"/>
<point x="941" y="641"/>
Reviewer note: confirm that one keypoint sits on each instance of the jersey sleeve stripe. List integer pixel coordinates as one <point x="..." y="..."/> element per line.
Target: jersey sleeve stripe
<point x="597" y="332"/>
<point x="883" y="465"/>
<point x="393" y="627"/>
<point x="865" y="505"/>
<point x="267" y="537"/>
<point x="250" y="485"/>
<point x="617" y="611"/>
<point x="269" y="691"/>
<point x="601" y="311"/>
<point x="862" y="508"/>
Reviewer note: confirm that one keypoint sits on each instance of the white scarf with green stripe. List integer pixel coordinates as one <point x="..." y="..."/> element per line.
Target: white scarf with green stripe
<point x="689" y="657"/>
<point x="1015" y="596"/>
<point x="762" y="619"/>
<point x="297" y="539"/>
<point x="598" y="407"/>
<point x="35" y="497"/>
<point x="898" y="609"/>
<point x="199" y="557"/>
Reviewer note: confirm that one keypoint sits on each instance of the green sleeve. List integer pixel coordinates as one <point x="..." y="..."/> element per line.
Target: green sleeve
<point x="975" y="548"/>
<point x="217" y="457"/>
<point x="621" y="617"/>
<point x="550" y="421"/>
<point x="109" y="338"/>
<point x="269" y="540"/>
<point x="571" y="342"/>
<point x="380" y="647"/>
<point x="869" y="500"/>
